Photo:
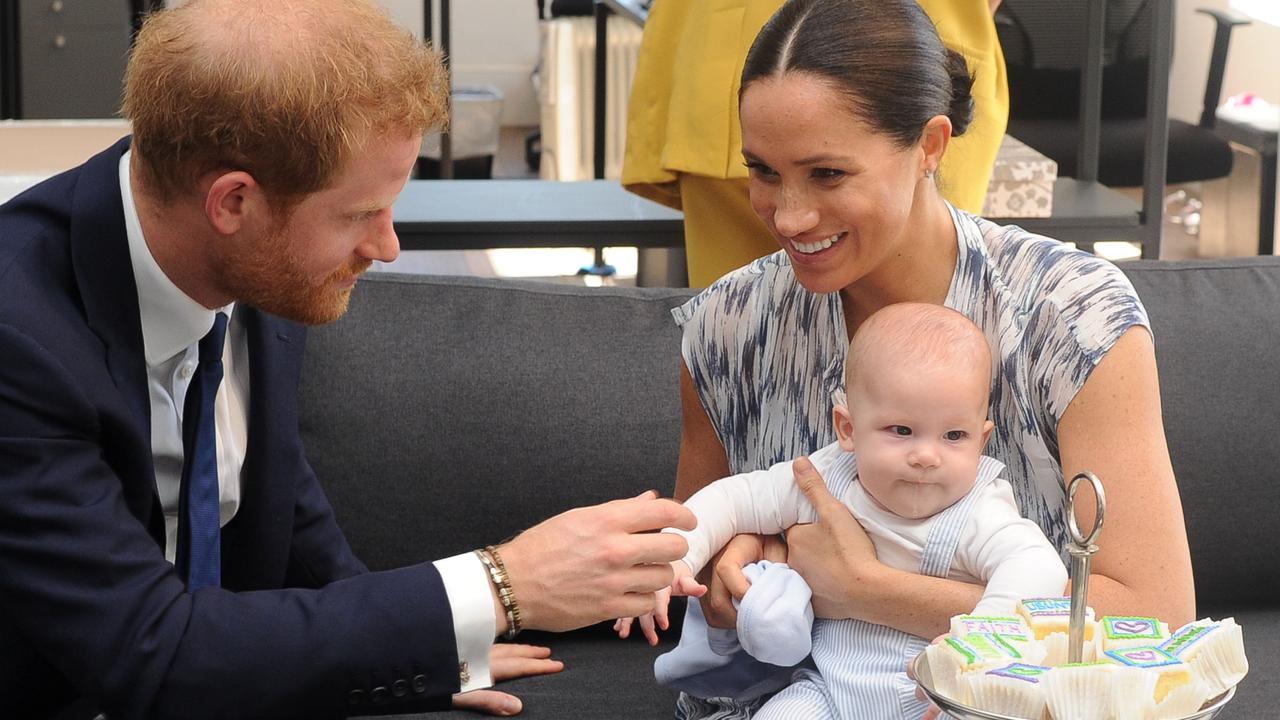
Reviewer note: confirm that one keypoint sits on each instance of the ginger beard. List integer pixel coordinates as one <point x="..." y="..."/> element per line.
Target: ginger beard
<point x="270" y="274"/>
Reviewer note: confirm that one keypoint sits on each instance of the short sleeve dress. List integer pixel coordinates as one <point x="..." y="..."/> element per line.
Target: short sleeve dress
<point x="767" y="356"/>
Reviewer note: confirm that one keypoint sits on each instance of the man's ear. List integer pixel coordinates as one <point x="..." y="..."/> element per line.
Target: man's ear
<point x="934" y="140"/>
<point x="844" y="427"/>
<point x="987" y="427"/>
<point x="234" y="199"/>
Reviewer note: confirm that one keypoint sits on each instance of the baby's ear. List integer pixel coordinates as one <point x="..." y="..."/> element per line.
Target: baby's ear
<point x="987" y="427"/>
<point x="844" y="426"/>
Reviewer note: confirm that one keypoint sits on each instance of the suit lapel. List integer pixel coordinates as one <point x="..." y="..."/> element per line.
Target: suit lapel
<point x="104" y="274"/>
<point x="255" y="545"/>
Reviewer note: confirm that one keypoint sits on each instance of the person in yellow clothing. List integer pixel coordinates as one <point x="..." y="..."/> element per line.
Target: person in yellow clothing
<point x="684" y="144"/>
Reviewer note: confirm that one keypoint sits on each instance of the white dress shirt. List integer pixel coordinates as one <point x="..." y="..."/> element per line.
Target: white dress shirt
<point x="172" y="326"/>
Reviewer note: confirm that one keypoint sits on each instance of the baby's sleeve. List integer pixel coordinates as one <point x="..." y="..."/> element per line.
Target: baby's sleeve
<point x="1009" y="553"/>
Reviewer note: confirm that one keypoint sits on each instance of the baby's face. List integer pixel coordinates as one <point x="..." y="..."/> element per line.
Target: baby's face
<point x="918" y="434"/>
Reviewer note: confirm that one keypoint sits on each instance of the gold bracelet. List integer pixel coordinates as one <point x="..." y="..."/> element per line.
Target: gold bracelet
<point x="492" y="562"/>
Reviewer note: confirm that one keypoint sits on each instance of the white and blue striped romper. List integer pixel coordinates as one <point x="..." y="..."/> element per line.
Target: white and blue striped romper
<point x="861" y="666"/>
<point x="767" y="356"/>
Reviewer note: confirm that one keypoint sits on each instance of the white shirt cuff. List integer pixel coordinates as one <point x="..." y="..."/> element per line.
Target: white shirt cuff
<point x="466" y="582"/>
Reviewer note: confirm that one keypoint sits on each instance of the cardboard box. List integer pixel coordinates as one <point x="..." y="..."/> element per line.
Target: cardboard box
<point x="1021" y="182"/>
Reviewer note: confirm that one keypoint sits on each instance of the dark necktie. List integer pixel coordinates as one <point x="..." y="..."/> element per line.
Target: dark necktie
<point x="198" y="558"/>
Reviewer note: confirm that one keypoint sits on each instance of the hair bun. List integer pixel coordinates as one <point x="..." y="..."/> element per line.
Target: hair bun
<point x="960" y="110"/>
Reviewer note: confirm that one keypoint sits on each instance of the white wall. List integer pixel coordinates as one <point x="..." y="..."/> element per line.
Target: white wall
<point x="493" y="42"/>
<point x="1252" y="61"/>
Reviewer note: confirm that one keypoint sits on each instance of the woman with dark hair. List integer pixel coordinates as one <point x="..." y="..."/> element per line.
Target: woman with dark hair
<point x="847" y="109"/>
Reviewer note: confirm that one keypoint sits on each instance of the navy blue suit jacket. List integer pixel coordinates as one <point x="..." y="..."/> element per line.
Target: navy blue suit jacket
<point x="91" y="614"/>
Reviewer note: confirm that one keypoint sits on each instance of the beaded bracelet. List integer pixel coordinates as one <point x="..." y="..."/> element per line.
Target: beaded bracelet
<point x="492" y="562"/>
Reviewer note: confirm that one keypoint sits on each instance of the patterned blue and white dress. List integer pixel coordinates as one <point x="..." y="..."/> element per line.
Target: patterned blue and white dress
<point x="767" y="356"/>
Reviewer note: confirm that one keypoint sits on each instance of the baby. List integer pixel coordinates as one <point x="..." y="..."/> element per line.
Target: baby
<point x="908" y="464"/>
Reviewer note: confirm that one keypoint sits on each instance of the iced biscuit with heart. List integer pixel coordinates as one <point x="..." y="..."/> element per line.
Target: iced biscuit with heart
<point x="1170" y="672"/>
<point x="1116" y="632"/>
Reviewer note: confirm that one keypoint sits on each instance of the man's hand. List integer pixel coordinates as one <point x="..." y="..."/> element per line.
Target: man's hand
<point x="683" y="583"/>
<point x="725" y="582"/>
<point x="507" y="662"/>
<point x="592" y="564"/>
<point x="833" y="555"/>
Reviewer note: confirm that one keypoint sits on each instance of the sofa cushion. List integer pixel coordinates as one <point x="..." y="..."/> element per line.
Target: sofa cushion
<point x="446" y="413"/>
<point x="1217" y="334"/>
<point x="603" y="677"/>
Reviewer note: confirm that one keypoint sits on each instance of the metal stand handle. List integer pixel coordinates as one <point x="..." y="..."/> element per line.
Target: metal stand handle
<point x="1081" y="548"/>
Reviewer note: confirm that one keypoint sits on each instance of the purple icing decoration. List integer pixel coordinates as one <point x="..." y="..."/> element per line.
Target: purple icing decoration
<point x="1146" y="657"/>
<point x="1021" y="671"/>
<point x="1001" y="625"/>
<point x="1047" y="606"/>
<point x="1131" y="627"/>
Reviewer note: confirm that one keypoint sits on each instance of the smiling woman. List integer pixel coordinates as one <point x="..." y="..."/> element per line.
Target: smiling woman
<point x="684" y="139"/>
<point x="847" y="108"/>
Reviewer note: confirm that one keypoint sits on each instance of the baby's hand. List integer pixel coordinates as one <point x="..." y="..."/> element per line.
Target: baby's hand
<point x="683" y="583"/>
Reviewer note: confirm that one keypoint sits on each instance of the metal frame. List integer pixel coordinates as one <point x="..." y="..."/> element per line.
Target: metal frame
<point x="1092" y="211"/>
<point x="10" y="71"/>
<point x="1157" y="149"/>
<point x="428" y="27"/>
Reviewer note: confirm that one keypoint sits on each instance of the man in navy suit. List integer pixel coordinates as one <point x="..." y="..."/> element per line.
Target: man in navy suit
<point x="270" y="139"/>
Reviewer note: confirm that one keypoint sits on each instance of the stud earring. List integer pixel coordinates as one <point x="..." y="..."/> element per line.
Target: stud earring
<point x="928" y="174"/>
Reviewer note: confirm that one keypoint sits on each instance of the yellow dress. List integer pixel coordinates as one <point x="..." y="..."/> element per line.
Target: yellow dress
<point x="684" y="143"/>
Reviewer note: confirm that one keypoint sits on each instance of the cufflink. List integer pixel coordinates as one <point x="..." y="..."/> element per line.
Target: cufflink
<point x="464" y="673"/>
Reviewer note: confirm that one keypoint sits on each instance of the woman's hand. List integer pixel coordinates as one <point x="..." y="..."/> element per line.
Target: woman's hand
<point x="934" y="711"/>
<point x="508" y="662"/>
<point x="725" y="581"/>
<point x="833" y="554"/>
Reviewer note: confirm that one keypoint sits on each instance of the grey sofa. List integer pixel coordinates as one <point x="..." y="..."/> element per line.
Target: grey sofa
<point x="442" y="414"/>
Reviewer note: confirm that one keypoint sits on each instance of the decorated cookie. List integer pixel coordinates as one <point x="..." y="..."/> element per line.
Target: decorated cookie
<point x="1170" y="671"/>
<point x="1006" y="625"/>
<point x="1122" y="631"/>
<point x="952" y="657"/>
<point x="1051" y="615"/>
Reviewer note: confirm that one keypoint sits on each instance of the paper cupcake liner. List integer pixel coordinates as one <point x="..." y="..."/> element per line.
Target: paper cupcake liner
<point x="945" y="668"/>
<point x="1078" y="693"/>
<point x="1221" y="663"/>
<point x="1132" y="693"/>
<point x="1183" y="701"/>
<point x="1005" y="696"/>
<point x="1055" y="650"/>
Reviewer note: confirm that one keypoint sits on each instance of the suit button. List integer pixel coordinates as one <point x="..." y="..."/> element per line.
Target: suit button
<point x="355" y="697"/>
<point x="400" y="688"/>
<point x="419" y="684"/>
<point x="379" y="694"/>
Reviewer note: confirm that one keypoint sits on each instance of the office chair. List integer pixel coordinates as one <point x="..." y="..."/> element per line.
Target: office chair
<point x="1042" y="41"/>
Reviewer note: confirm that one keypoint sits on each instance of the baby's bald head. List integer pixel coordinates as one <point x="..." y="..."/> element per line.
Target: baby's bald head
<point x="918" y="337"/>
